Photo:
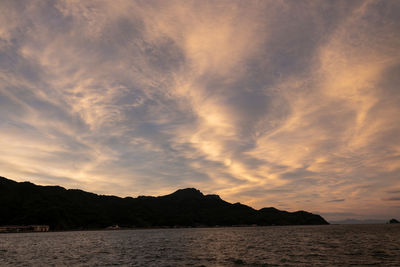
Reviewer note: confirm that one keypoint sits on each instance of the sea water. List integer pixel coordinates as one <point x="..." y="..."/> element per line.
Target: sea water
<point x="330" y="245"/>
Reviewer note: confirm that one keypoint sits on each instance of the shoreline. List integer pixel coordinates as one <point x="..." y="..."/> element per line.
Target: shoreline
<point x="187" y="227"/>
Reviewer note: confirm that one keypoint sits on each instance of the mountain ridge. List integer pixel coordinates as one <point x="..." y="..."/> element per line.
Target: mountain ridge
<point x="24" y="203"/>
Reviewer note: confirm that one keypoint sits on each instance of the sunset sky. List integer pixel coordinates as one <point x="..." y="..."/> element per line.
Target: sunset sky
<point x="291" y="104"/>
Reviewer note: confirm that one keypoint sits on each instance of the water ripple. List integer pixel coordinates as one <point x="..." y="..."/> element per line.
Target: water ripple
<point x="334" y="245"/>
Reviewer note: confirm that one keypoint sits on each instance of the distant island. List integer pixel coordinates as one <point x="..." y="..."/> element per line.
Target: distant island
<point x="25" y="203"/>
<point x="356" y="221"/>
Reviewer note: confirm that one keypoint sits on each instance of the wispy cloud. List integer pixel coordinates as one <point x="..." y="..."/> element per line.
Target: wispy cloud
<point x="337" y="200"/>
<point x="271" y="103"/>
<point x="392" y="199"/>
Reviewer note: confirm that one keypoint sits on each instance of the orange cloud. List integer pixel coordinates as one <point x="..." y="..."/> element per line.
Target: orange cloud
<point x="269" y="103"/>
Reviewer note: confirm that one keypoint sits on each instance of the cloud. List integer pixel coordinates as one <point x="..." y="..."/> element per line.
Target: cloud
<point x="393" y="191"/>
<point x="271" y="103"/>
<point x="337" y="200"/>
<point x="392" y="199"/>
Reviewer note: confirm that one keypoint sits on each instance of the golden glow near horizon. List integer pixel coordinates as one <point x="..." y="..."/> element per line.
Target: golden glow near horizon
<point x="292" y="104"/>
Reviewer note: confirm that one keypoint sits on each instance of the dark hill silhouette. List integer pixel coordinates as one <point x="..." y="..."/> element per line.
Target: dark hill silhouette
<point x="27" y="204"/>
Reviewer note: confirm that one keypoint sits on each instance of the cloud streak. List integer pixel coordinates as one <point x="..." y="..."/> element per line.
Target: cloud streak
<point x="271" y="103"/>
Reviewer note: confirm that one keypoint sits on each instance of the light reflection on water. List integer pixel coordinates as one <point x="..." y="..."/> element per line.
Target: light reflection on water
<point x="333" y="245"/>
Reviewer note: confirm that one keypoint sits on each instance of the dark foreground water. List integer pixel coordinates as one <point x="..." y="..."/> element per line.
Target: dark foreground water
<point x="333" y="245"/>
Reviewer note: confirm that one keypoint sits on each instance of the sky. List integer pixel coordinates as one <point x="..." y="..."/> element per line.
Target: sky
<point x="290" y="104"/>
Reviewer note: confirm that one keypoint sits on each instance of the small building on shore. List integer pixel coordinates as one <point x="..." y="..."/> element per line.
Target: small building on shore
<point x="40" y="228"/>
<point x="24" y="228"/>
<point x="113" y="227"/>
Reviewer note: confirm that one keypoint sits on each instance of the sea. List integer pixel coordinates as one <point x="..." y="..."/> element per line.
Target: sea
<point x="327" y="245"/>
